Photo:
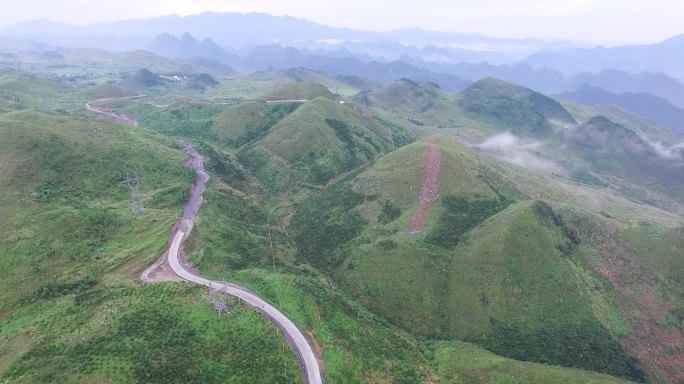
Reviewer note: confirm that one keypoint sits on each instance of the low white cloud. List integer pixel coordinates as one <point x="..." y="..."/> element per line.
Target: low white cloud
<point x="513" y="150"/>
<point x="668" y="152"/>
<point x="547" y="19"/>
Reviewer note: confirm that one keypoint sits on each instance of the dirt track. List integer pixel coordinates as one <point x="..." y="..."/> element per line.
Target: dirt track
<point x="429" y="189"/>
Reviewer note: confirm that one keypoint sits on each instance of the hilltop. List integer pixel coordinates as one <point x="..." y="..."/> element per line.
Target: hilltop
<point x="651" y="107"/>
<point x="412" y="234"/>
<point x="318" y="141"/>
<point x="514" y="108"/>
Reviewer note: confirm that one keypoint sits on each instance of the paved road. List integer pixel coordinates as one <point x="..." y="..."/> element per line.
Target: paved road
<point x="120" y="118"/>
<point x="293" y="335"/>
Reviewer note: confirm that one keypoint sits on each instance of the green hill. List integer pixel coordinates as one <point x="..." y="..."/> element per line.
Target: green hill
<point x="412" y="105"/>
<point x="318" y="141"/>
<point x="493" y="266"/>
<point x="404" y="94"/>
<point x="402" y="261"/>
<point x="108" y="91"/>
<point x="28" y="91"/>
<point x="513" y="108"/>
<point x="300" y="90"/>
<point x="143" y="79"/>
<point x="639" y="169"/>
<point x="242" y="123"/>
<point x="71" y="308"/>
<point x="343" y="85"/>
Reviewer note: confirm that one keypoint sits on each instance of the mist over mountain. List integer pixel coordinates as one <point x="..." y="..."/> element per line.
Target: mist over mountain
<point x="419" y="206"/>
<point x="653" y="108"/>
<point x="666" y="56"/>
<point x="256" y="41"/>
<point x="616" y="81"/>
<point x="239" y="30"/>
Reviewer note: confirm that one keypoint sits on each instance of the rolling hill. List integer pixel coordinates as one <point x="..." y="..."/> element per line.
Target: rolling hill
<point x="653" y="108"/>
<point x="71" y="308"/>
<point x="318" y="141"/>
<point x="514" y="108"/>
<point x="641" y="168"/>
<point x="382" y="225"/>
<point x="492" y="265"/>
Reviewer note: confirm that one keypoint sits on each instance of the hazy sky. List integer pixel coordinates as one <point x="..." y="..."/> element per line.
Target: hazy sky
<point x="607" y="22"/>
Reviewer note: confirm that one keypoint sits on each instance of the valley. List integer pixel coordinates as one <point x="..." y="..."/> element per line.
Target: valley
<point x="361" y="231"/>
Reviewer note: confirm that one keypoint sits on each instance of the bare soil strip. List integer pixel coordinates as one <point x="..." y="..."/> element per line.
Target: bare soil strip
<point x="429" y="188"/>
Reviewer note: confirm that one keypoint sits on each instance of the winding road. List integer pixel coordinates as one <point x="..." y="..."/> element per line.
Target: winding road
<point x="106" y="112"/>
<point x="292" y="334"/>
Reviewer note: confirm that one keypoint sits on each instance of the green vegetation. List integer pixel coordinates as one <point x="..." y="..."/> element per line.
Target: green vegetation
<point x="191" y="121"/>
<point x="309" y="206"/>
<point x="318" y="141"/>
<point x="301" y="90"/>
<point x="514" y="108"/>
<point x="143" y="79"/>
<point x="323" y="215"/>
<point x="160" y="333"/>
<point x="588" y="346"/>
<point x="68" y="310"/>
<point x="460" y="215"/>
<point x="465" y="363"/>
<point x="245" y="122"/>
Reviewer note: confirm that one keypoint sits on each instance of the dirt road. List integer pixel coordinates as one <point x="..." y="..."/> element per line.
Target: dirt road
<point x="429" y="188"/>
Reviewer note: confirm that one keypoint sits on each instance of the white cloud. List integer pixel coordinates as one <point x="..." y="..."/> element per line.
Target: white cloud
<point x="599" y="21"/>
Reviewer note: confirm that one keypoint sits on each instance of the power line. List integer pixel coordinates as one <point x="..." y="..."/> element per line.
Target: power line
<point x="217" y="297"/>
<point x="134" y="184"/>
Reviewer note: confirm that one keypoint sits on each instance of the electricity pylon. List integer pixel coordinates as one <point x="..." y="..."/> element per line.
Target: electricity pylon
<point x="134" y="184"/>
<point x="217" y="297"/>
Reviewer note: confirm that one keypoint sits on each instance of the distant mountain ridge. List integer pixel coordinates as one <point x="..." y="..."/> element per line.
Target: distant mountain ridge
<point x="664" y="56"/>
<point x="239" y="30"/>
<point x="651" y="107"/>
<point x="225" y="42"/>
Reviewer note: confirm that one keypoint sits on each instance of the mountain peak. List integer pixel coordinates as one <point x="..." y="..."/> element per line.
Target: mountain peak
<point x="513" y="107"/>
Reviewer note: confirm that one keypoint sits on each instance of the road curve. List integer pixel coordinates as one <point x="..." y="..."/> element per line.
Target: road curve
<point x="118" y="117"/>
<point x="293" y="335"/>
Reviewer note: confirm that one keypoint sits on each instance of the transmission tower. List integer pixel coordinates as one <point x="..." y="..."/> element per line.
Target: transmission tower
<point x="134" y="184"/>
<point x="217" y="297"/>
<point x="610" y="185"/>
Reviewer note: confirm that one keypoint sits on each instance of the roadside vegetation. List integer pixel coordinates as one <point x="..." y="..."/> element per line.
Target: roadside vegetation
<point x="518" y="275"/>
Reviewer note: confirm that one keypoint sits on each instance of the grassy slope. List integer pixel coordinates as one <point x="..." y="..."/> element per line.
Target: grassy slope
<point x="68" y="309"/>
<point x="514" y="108"/>
<point x="242" y="123"/>
<point x="317" y="142"/>
<point x="460" y="362"/>
<point x="516" y="277"/>
<point x="234" y="233"/>
<point x="300" y="90"/>
<point x="358" y="346"/>
<point x="414" y="105"/>
<point x="28" y="91"/>
<point x="613" y="150"/>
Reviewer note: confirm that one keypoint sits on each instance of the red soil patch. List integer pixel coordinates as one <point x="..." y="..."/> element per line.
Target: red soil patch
<point x="642" y="305"/>
<point x="318" y="350"/>
<point x="428" y="190"/>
